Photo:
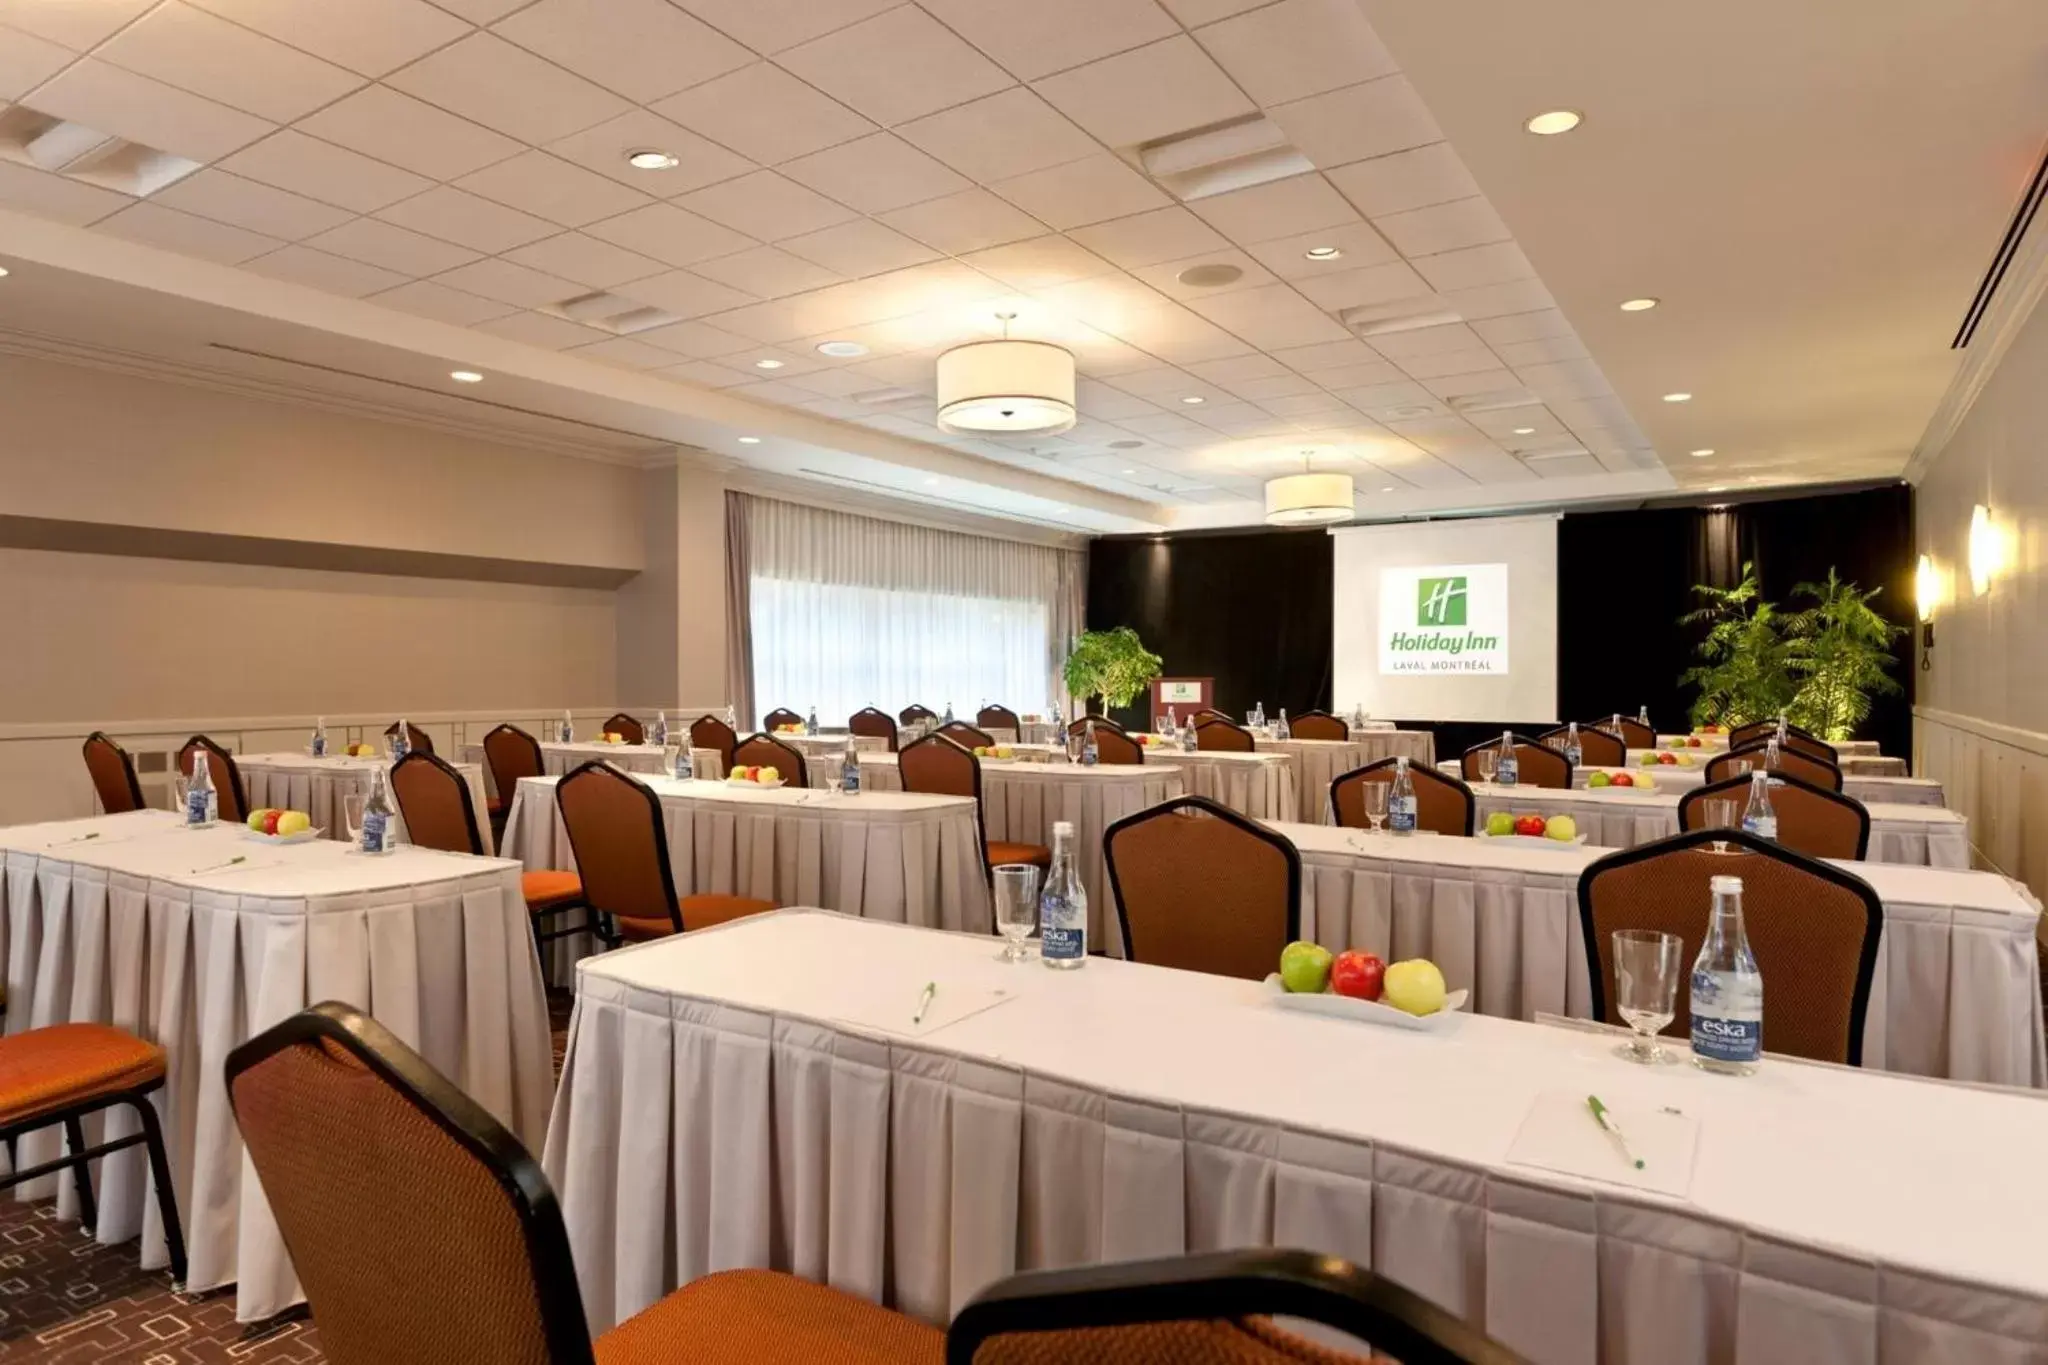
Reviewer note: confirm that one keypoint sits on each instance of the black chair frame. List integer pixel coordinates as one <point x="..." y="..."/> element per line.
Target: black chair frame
<point x="1221" y="812"/>
<point x="960" y="732"/>
<point x="913" y="713"/>
<point x="891" y="736"/>
<point x="1756" y="749"/>
<point x="1224" y="1284"/>
<point x="234" y="769"/>
<point x="800" y="771"/>
<point x="1416" y="771"/>
<point x="1873" y="929"/>
<point x="540" y="765"/>
<point x="465" y="1121"/>
<point x="127" y="765"/>
<point x="781" y="715"/>
<point x="988" y="873"/>
<point x="601" y="924"/>
<point x="1005" y="719"/>
<point x="1738" y="785"/>
<point x="1519" y="739"/>
<point x="611" y="725"/>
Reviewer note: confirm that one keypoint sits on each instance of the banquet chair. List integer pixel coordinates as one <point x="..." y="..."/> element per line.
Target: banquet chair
<point x="1811" y="819"/>
<point x="626" y="728"/>
<point x="621" y="848"/>
<point x="227" y="777"/>
<point x="1818" y="771"/>
<point x="1760" y="730"/>
<point x="67" y="1073"/>
<point x="999" y="718"/>
<point x="434" y="801"/>
<point x="1116" y="746"/>
<point x="1102" y="722"/>
<point x="1194" y="717"/>
<point x="913" y="713"/>
<point x="510" y="754"/>
<point x="1814" y="928"/>
<point x="709" y="732"/>
<point x="960" y="732"/>
<point x="113" y="775"/>
<point x="1199" y="887"/>
<point x="1539" y="764"/>
<point x="1597" y="748"/>
<point x="424" y="1234"/>
<point x="1318" y="725"/>
<point x="1632" y="732"/>
<point x="1223" y="736"/>
<point x="940" y="765"/>
<point x="781" y="715"/>
<point x="869" y="723"/>
<point x="417" y="741"/>
<point x="1213" y="1308"/>
<point x="1443" y="804"/>
<point x="759" y="751"/>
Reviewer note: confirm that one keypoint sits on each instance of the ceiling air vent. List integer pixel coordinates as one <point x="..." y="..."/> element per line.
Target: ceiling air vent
<point x="77" y="152"/>
<point x="1402" y="315"/>
<point x="1496" y="400"/>
<point x="2001" y="260"/>
<point x="1229" y="156"/>
<point x="614" y="313"/>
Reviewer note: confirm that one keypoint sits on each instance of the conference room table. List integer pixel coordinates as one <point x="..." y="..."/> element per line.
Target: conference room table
<point x="1859" y="756"/>
<point x="557" y="758"/>
<point x="197" y="939"/>
<point x="1622" y="817"/>
<point x="759" y="1095"/>
<point x="1897" y="791"/>
<point x="1957" y="992"/>
<point x="298" y="781"/>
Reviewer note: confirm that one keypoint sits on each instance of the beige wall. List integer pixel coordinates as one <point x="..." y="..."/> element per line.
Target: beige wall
<point x="1981" y="722"/>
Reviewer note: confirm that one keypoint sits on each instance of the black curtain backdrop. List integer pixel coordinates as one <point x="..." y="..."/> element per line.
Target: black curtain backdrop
<point x="1252" y="609"/>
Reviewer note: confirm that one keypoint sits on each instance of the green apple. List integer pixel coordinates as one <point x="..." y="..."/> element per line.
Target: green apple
<point x="1500" y="823"/>
<point x="1598" y="780"/>
<point x="1561" y="827"/>
<point x="1414" y="986"/>
<point x="1649" y="760"/>
<point x="1305" y="968"/>
<point x="256" y="818"/>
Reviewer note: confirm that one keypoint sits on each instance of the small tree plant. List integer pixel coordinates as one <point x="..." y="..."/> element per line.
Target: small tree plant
<point x="1111" y="664"/>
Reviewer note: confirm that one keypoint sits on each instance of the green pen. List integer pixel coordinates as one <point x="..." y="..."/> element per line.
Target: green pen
<point x="924" y="1002"/>
<point x="1612" y="1129"/>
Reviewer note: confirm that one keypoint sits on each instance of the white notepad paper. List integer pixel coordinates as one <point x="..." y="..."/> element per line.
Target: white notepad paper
<point x="1560" y="1134"/>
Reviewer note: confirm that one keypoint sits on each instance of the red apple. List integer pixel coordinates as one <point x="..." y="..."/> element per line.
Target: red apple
<point x="270" y="819"/>
<point x="1667" y="759"/>
<point x="1531" y="825"/>
<point x="1624" y="780"/>
<point x="1693" y="742"/>
<point x="1358" y="975"/>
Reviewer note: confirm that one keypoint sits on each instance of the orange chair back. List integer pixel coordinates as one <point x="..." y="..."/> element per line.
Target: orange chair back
<point x="766" y="751"/>
<point x="1443" y="804"/>
<point x="913" y="713"/>
<point x="1114" y="746"/>
<point x="1633" y="733"/>
<point x="227" y="777"/>
<point x="1811" y="819"/>
<point x="113" y="775"/>
<point x="1213" y="732"/>
<point x="869" y="723"/>
<point x="1597" y="748"/>
<point x="621" y="846"/>
<point x="781" y="715"/>
<point x="999" y="718"/>
<point x="417" y="741"/>
<point x="1538" y="765"/>
<point x="1817" y="771"/>
<point x="1318" y="725"/>
<point x="627" y="728"/>
<point x="961" y="733"/>
<point x="709" y="732"/>
<point x="939" y="766"/>
<point x="511" y="754"/>
<point x="436" y="805"/>
<point x="1199" y="887"/>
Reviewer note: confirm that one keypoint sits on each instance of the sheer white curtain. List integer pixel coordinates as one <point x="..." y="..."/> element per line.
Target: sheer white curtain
<point x="849" y="611"/>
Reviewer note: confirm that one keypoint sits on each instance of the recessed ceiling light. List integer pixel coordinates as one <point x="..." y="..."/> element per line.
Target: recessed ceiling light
<point x="1323" y="253"/>
<point x="1552" y="122"/>
<point x="1193" y="398"/>
<point x="767" y="364"/>
<point x="931" y="481"/>
<point x="1718" y="488"/>
<point x="750" y="440"/>
<point x="1130" y="471"/>
<point x="841" y="350"/>
<point x="1702" y="454"/>
<point x="1678" y="398"/>
<point x="1638" y="305"/>
<point x="648" y="159"/>
<point x="3" y="272"/>
<point x="1388" y="489"/>
<point x="465" y="376"/>
<point x="1525" y="431"/>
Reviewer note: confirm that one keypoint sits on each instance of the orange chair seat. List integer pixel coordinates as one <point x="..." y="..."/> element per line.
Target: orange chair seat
<point x="546" y="890"/>
<point x="495" y="804"/>
<point x="1001" y="851"/>
<point x="701" y="912"/>
<point x="64" y="1064"/>
<point x="743" y="1317"/>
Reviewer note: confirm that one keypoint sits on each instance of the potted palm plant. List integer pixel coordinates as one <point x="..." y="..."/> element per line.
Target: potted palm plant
<point x="1746" y="670"/>
<point x="1844" y="658"/>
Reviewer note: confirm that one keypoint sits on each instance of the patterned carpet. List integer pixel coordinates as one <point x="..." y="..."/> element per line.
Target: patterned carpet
<point x="67" y="1301"/>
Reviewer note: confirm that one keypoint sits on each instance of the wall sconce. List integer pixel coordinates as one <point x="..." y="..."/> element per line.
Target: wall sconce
<point x="1987" y="550"/>
<point x="1926" y="596"/>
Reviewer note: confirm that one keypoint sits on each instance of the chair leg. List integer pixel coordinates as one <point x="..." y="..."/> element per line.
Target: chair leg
<point x="88" y="1210"/>
<point x="166" y="1193"/>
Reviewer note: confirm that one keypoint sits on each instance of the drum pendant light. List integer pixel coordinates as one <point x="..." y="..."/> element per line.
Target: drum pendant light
<point x="1006" y="387"/>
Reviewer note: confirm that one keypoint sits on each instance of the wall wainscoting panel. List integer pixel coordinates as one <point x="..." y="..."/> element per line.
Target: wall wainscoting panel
<point x="1997" y="775"/>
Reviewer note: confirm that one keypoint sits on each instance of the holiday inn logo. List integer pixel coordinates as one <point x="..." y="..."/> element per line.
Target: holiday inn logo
<point x="1440" y="602"/>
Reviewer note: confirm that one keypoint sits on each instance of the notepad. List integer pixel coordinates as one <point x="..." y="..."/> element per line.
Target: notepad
<point x="889" y="1005"/>
<point x="1559" y="1133"/>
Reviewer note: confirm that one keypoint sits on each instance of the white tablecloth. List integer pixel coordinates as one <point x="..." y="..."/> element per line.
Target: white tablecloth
<point x="1261" y="786"/>
<point x="559" y="759"/>
<point x="1318" y="763"/>
<point x="1854" y="756"/>
<point x="1380" y="742"/>
<point x="316" y="786"/>
<point x="1622" y="817"/>
<point x="1896" y="791"/>
<point x="144" y="928"/>
<point x="1957" y="991"/>
<point x="752" y="1096"/>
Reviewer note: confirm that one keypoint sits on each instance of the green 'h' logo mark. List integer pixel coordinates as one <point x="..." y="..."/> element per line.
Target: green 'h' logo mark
<point x="1440" y="602"/>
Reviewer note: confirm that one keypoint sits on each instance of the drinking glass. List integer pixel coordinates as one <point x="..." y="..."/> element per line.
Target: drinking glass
<point x="1488" y="761"/>
<point x="352" y="816"/>
<point x="1375" y="794"/>
<point x="1016" y="907"/>
<point x="1719" y="813"/>
<point x="1074" y="745"/>
<point x="1646" y="973"/>
<point x="1738" y="767"/>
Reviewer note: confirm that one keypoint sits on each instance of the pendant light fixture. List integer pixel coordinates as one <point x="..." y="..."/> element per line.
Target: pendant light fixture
<point x="1308" y="498"/>
<point x="1006" y="387"/>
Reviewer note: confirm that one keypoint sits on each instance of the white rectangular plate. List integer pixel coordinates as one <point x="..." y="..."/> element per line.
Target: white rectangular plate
<point x="1365" y="1011"/>
<point x="758" y="786"/>
<point x="1530" y="840"/>
<point x="304" y="836"/>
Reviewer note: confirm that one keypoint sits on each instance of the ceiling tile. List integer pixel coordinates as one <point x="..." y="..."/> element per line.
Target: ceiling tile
<point x="1412" y="179"/>
<point x="586" y="260"/>
<point x="146" y="111"/>
<point x="542" y="330"/>
<point x="557" y="190"/>
<point x="643" y="49"/>
<point x="706" y="375"/>
<point x="1039" y="263"/>
<point x="428" y="299"/>
<point x="1474" y="266"/>
<point x="1500" y="300"/>
<point x="76" y="24"/>
<point x="1297" y="48"/>
<point x="1284" y="208"/>
<point x="1239" y="369"/>
<point x="874" y="174"/>
<point x="1355" y="288"/>
<point x="392" y="248"/>
<point x="1443" y="227"/>
<point x="1081" y="192"/>
<point x="247" y="204"/>
<point x="1006" y="134"/>
<point x="604" y="149"/>
<point x="195" y="51"/>
<point x="1545" y="324"/>
<point x="511" y="283"/>
<point x="861" y="247"/>
<point x="1359" y="121"/>
<point x="330" y="274"/>
<point x="765" y="205"/>
<point x="27" y="62"/>
<point x="667" y="233"/>
<point x="964" y="222"/>
<point x="1156" y="91"/>
<point x="766" y="272"/>
<point x="367" y="36"/>
<point x="686" y="295"/>
<point x="455" y="216"/>
<point x="763" y="112"/>
<point x="695" y="339"/>
<point x="480" y="11"/>
<point x="323" y="171"/>
<point x="772" y="25"/>
<point x="187" y="234"/>
<point x="896" y="66"/>
<point x="1379" y="400"/>
<point x="1272" y="316"/>
<point x="1540" y="350"/>
<point x="1052" y="35"/>
<point x="1194" y="13"/>
<point x="1165" y="277"/>
<point x="1357" y="375"/>
<point x="1147" y="238"/>
<point x="1287" y="256"/>
<point x="626" y="353"/>
<point x="1455" y="336"/>
<point x="1324" y="355"/>
<point x="1564" y="379"/>
<point x="393" y="127"/>
<point x="1481" y="361"/>
<point x="501" y="86"/>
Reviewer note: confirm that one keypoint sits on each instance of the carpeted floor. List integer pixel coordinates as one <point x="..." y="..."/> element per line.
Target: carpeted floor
<point x="67" y="1301"/>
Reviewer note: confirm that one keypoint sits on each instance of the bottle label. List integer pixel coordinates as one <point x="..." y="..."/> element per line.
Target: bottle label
<point x="1716" y="1036"/>
<point x="1401" y="814"/>
<point x="199" y="807"/>
<point x="1088" y="756"/>
<point x="376" y="832"/>
<point x="319" y="746"/>
<point x="1060" y="942"/>
<point x="849" y="779"/>
<point x="1573" y="753"/>
<point x="683" y="770"/>
<point x="1762" y="826"/>
<point x="1507" y="772"/>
